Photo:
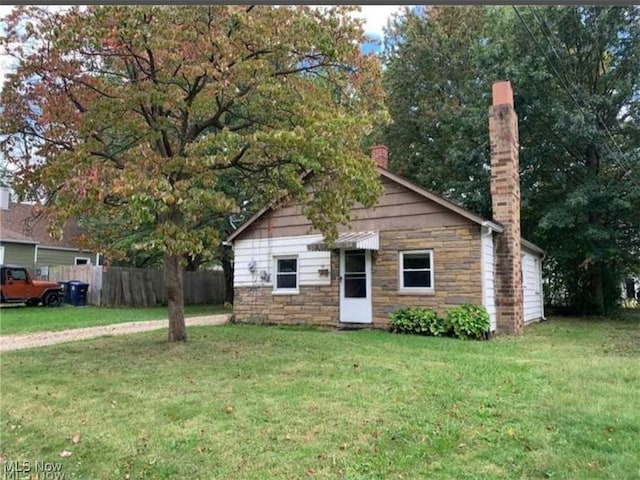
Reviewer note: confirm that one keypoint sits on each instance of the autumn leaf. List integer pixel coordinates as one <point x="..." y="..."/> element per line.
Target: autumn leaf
<point x="162" y="136"/>
<point x="66" y="454"/>
<point x="76" y="438"/>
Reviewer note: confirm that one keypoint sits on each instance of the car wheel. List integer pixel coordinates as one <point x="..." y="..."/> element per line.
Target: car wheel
<point x="51" y="299"/>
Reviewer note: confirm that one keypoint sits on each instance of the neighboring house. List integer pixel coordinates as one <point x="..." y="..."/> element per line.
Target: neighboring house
<point x="24" y="240"/>
<point x="413" y="248"/>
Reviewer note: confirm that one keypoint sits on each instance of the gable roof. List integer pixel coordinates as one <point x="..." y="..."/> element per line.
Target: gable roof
<point x="426" y="194"/>
<point x="7" y="235"/>
<point x="533" y="247"/>
<point x="20" y="224"/>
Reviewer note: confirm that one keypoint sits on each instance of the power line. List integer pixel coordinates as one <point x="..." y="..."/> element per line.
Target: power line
<point x="543" y="25"/>
<point x="564" y="83"/>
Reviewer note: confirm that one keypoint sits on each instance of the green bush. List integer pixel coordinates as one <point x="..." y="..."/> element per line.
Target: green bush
<point x="469" y="322"/>
<point x="421" y="321"/>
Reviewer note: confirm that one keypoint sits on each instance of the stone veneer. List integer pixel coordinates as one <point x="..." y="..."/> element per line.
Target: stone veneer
<point x="314" y="305"/>
<point x="457" y="279"/>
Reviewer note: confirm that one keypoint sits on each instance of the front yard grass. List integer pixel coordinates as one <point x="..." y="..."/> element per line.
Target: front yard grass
<point x="22" y="320"/>
<point x="255" y="402"/>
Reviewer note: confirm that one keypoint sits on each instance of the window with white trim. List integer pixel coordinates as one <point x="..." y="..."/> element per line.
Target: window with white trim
<point x="416" y="271"/>
<point x="82" y="261"/>
<point x="286" y="278"/>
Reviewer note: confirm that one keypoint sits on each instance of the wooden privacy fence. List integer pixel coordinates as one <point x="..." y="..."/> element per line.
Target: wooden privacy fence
<point x="85" y="273"/>
<point x="140" y="287"/>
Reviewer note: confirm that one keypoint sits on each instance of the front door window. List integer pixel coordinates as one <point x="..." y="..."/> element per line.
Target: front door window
<point x="355" y="286"/>
<point x="355" y="274"/>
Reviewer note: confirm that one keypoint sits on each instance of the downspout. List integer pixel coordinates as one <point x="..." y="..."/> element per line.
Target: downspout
<point x="542" y="318"/>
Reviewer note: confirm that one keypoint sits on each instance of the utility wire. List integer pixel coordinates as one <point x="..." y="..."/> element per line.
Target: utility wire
<point x="621" y="160"/>
<point x="546" y="34"/>
<point x="564" y="85"/>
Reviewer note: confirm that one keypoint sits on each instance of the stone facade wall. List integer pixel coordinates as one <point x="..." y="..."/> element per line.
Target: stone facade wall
<point x="314" y="305"/>
<point x="457" y="269"/>
<point x="457" y="279"/>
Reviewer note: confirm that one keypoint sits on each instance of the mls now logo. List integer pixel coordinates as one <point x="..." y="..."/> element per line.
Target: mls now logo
<point x="37" y="470"/>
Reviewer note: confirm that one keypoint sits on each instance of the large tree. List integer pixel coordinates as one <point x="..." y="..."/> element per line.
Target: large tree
<point x="136" y="113"/>
<point x="577" y="90"/>
<point x="584" y="142"/>
<point x="438" y="101"/>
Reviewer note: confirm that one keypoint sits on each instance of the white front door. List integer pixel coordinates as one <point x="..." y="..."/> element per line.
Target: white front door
<point x="355" y="286"/>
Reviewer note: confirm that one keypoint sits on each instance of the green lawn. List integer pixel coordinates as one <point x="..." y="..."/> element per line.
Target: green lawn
<point x="256" y="402"/>
<point x="20" y="320"/>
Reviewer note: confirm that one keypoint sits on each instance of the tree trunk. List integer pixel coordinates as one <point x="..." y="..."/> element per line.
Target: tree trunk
<point x="227" y="266"/>
<point x="597" y="288"/>
<point x="193" y="262"/>
<point x="630" y="288"/>
<point x="173" y="280"/>
<point x="596" y="275"/>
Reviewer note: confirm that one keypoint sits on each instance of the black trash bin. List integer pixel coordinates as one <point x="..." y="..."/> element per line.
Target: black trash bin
<point x="78" y="293"/>
<point x="66" y="288"/>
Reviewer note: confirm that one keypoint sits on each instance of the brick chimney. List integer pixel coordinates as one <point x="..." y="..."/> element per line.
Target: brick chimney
<point x="380" y="154"/>
<point x="505" y="200"/>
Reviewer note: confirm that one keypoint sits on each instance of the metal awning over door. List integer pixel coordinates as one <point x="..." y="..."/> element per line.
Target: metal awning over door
<point x="348" y="241"/>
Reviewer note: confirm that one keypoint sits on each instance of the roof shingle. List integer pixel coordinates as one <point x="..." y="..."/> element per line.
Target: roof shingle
<point x="21" y="223"/>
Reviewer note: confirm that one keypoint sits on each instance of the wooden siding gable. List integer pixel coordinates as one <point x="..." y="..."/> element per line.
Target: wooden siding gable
<point x="402" y="205"/>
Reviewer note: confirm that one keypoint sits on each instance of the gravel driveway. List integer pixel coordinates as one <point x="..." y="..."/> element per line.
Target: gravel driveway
<point x="40" y="339"/>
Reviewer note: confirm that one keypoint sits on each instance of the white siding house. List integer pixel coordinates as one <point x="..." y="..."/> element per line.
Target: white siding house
<point x="488" y="273"/>
<point x="255" y="260"/>
<point x="532" y="298"/>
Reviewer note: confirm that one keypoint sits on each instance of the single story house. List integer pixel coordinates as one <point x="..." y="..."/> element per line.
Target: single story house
<point x="413" y="248"/>
<point x="24" y="240"/>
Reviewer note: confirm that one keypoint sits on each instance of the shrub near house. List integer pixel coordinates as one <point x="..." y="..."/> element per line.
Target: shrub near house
<point x="468" y="322"/>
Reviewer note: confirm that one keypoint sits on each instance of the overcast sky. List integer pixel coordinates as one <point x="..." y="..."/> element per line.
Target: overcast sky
<point x="375" y="17"/>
